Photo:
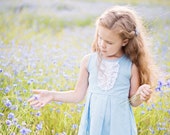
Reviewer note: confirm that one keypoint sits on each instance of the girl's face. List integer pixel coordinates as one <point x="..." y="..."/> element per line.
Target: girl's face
<point x="110" y="43"/>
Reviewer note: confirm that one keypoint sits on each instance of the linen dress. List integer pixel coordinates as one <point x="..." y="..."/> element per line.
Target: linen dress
<point x="107" y="110"/>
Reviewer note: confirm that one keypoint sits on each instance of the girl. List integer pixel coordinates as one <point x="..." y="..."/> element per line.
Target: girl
<point x="116" y="71"/>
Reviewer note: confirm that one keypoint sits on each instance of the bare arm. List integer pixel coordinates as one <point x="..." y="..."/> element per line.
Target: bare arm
<point x="78" y="94"/>
<point x="72" y="96"/>
<point x="138" y="94"/>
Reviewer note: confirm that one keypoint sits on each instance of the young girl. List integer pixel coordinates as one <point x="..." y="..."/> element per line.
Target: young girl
<point x="117" y="71"/>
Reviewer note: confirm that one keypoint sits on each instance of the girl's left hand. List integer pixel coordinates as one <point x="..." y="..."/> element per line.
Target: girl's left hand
<point x="145" y="92"/>
<point x="42" y="98"/>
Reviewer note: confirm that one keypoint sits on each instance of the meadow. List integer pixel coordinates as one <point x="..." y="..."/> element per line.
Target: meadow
<point x="41" y="46"/>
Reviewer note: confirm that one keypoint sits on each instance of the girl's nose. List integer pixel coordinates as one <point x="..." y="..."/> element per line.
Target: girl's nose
<point x="103" y="44"/>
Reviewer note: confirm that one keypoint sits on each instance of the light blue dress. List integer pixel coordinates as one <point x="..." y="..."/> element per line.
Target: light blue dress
<point x="107" y="110"/>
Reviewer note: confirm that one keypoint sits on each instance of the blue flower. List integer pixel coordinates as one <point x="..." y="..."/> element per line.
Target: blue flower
<point x="11" y="116"/>
<point x="153" y="105"/>
<point x="38" y="114"/>
<point x="39" y="126"/>
<point x="151" y="130"/>
<point x="1" y="70"/>
<point x="14" y="107"/>
<point x="25" y="131"/>
<point x="7" y="90"/>
<point x="18" y="126"/>
<point x="8" y="103"/>
<point x="74" y="126"/>
<point x="19" y="99"/>
<point x="160" y="84"/>
<point x="161" y="128"/>
<point x="142" y="112"/>
<point x="168" y="83"/>
<point x="168" y="111"/>
<point x="1" y="114"/>
<point x="15" y="121"/>
<point x="8" y="122"/>
<point x="63" y="133"/>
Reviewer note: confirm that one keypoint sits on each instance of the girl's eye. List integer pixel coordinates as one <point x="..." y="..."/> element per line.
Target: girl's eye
<point x="100" y="38"/>
<point x="109" y="43"/>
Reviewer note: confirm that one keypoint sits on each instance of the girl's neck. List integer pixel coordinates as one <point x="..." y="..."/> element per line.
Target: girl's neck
<point x="112" y="57"/>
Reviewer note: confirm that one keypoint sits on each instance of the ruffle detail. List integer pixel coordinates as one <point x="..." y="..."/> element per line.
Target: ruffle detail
<point x="107" y="74"/>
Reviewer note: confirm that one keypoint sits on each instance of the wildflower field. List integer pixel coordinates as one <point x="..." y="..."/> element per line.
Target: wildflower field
<point x="41" y="46"/>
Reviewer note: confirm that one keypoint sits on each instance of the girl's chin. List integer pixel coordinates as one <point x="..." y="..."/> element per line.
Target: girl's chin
<point x="103" y="52"/>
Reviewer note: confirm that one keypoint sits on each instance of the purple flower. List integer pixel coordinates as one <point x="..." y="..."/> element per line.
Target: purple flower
<point x="8" y="103"/>
<point x="63" y="133"/>
<point x="151" y="130"/>
<point x="157" y="89"/>
<point x="19" y="99"/>
<point x="168" y="83"/>
<point x="11" y="116"/>
<point x="14" y="107"/>
<point x="74" y="126"/>
<point x="153" y="105"/>
<point x="15" y="121"/>
<point x="18" y="126"/>
<point x="58" y="110"/>
<point x="7" y="90"/>
<point x="1" y="114"/>
<point x="1" y="70"/>
<point x="38" y="114"/>
<point x="30" y="81"/>
<point x="39" y="126"/>
<point x="8" y="122"/>
<point x="168" y="111"/>
<point x="142" y="112"/>
<point x="8" y="74"/>
<point x="25" y="131"/>
<point x="160" y="84"/>
<point x="161" y="128"/>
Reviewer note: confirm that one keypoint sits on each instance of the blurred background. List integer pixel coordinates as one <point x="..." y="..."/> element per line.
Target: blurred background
<point x="41" y="46"/>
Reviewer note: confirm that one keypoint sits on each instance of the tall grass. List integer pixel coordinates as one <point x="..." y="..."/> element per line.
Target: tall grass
<point x="42" y="51"/>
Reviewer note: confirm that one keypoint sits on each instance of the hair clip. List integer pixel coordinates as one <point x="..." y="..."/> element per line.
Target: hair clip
<point x="136" y="32"/>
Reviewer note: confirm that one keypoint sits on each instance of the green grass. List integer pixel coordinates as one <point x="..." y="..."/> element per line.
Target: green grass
<point x="44" y="51"/>
<point x="26" y="26"/>
<point x="135" y="2"/>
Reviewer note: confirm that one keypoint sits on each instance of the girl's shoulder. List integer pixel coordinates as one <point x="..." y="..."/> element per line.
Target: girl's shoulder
<point x="87" y="58"/>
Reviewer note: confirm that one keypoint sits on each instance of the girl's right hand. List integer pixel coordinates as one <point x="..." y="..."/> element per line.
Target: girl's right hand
<point x="41" y="98"/>
<point x="145" y="92"/>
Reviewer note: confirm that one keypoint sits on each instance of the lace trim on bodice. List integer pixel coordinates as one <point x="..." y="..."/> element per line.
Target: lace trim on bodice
<point x="107" y="74"/>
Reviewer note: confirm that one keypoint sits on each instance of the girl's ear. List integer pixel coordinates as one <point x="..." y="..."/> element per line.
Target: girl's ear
<point x="125" y="42"/>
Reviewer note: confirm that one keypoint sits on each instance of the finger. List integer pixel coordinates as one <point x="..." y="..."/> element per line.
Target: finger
<point x="34" y="97"/>
<point x="147" y="86"/>
<point x="141" y="98"/>
<point x="144" y="98"/>
<point x="143" y="94"/>
<point x="36" y="91"/>
<point x="31" y="99"/>
<point x="146" y="92"/>
<point x="38" y="105"/>
<point x="33" y="103"/>
<point x="150" y="91"/>
<point x="42" y="105"/>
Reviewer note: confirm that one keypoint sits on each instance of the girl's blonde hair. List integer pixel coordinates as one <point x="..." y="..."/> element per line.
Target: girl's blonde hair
<point x="129" y="26"/>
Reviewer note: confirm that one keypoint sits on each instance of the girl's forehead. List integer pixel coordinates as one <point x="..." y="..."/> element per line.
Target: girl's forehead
<point x="107" y="33"/>
<point x="102" y="29"/>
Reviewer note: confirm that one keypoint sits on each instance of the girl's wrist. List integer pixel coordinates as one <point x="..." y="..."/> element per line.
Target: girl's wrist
<point x="52" y="95"/>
